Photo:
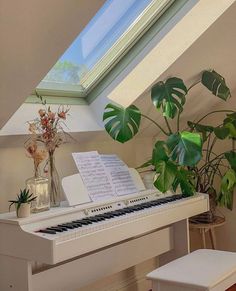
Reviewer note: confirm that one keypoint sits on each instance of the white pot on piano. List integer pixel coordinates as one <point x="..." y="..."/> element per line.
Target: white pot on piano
<point x="23" y="211"/>
<point x="148" y="179"/>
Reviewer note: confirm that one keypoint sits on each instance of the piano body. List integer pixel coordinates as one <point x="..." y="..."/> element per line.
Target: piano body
<point x="69" y="247"/>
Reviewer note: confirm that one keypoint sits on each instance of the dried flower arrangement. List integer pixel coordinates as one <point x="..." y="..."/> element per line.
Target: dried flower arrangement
<point x="47" y="129"/>
<point x="38" y="155"/>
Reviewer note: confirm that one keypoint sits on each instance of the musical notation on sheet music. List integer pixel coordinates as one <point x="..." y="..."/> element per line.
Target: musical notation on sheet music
<point x="104" y="176"/>
<point x="94" y="175"/>
<point x="120" y="176"/>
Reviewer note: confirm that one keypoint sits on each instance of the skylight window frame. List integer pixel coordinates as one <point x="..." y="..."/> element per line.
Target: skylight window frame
<point x="124" y="43"/>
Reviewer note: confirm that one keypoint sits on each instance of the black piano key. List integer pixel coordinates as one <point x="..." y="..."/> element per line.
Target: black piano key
<point x="57" y="229"/>
<point x="104" y="216"/>
<point x="94" y="219"/>
<point x="47" y="231"/>
<point x="69" y="226"/>
<point x="100" y="217"/>
<point x="76" y="221"/>
<point x="146" y="206"/>
<point x="77" y="225"/>
<point x="85" y="222"/>
<point x="108" y="215"/>
<point x="128" y="210"/>
<point x="120" y="212"/>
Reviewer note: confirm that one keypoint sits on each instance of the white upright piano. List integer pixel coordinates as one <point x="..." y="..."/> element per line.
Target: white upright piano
<point x="69" y="247"/>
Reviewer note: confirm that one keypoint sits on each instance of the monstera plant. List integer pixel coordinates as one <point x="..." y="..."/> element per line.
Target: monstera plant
<point x="184" y="158"/>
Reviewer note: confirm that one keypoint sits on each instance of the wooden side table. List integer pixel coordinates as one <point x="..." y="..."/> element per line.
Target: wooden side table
<point x="208" y="227"/>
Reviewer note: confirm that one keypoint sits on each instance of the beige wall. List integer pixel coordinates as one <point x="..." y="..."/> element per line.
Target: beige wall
<point x="16" y="167"/>
<point x="225" y="235"/>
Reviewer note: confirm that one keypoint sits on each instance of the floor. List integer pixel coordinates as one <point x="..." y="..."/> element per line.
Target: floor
<point x="232" y="288"/>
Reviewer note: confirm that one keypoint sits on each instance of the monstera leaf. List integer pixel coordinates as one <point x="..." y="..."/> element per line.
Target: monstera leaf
<point x="216" y="84"/>
<point x="230" y="124"/>
<point x="167" y="171"/>
<point x="159" y="153"/>
<point x="203" y="129"/>
<point x="121" y="123"/>
<point x="170" y="96"/>
<point x="185" y="148"/>
<point x="231" y="157"/>
<point x="228" y="183"/>
<point x="184" y="179"/>
<point x="221" y="132"/>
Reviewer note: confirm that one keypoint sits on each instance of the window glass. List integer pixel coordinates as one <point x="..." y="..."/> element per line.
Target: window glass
<point x="101" y="33"/>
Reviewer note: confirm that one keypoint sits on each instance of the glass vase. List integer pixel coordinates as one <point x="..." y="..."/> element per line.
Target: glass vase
<point x="38" y="186"/>
<point x="55" y="189"/>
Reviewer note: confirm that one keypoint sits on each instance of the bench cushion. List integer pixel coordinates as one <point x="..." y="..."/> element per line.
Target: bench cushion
<point x="205" y="268"/>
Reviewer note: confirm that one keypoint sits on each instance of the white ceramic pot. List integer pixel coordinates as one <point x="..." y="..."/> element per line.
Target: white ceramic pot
<point x="148" y="179"/>
<point x="23" y="211"/>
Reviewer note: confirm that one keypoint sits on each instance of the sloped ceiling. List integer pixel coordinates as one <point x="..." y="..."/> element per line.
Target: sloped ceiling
<point x="35" y="37"/>
<point x="33" y="34"/>
<point x="216" y="48"/>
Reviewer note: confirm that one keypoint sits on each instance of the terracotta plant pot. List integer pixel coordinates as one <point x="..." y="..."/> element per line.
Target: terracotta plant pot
<point x="23" y="211"/>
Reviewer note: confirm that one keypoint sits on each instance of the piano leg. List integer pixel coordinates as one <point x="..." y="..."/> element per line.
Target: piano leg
<point x="181" y="243"/>
<point x="15" y="274"/>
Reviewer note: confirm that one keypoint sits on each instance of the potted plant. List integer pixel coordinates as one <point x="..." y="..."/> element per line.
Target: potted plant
<point x="184" y="157"/>
<point x="22" y="203"/>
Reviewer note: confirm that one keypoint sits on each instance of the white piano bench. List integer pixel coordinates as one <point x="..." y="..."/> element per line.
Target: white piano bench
<point x="201" y="270"/>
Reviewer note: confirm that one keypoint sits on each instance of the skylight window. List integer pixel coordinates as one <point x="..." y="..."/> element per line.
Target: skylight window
<point x="109" y="34"/>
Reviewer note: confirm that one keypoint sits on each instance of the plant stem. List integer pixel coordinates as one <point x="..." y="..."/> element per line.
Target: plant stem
<point x="194" y="84"/>
<point x="210" y="162"/>
<point x="211" y="147"/>
<point x="168" y="125"/>
<point x="145" y="116"/>
<point x="178" y="117"/>
<point x="208" y="145"/>
<point x="212" y="112"/>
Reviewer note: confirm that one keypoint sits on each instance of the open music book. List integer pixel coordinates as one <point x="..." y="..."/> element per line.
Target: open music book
<point x="101" y="177"/>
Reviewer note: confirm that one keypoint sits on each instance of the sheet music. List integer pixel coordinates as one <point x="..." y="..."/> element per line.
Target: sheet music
<point x="94" y="175"/>
<point x="119" y="173"/>
<point x="104" y="176"/>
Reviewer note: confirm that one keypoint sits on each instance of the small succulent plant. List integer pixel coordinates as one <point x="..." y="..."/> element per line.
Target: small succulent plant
<point x="23" y="197"/>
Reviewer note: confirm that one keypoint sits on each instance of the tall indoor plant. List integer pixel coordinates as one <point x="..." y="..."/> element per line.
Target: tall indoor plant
<point x="184" y="157"/>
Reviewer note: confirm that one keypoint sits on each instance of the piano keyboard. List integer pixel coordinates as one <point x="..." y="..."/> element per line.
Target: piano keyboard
<point x="69" y="232"/>
<point x="92" y="223"/>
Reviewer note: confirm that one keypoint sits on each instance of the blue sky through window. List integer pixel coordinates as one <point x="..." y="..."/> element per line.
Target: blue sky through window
<point x="104" y="29"/>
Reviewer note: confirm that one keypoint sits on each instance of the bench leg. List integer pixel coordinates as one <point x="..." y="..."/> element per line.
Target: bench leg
<point x="213" y="238"/>
<point x="203" y="235"/>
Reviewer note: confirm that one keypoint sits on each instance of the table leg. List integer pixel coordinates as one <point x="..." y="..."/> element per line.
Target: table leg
<point x="202" y="231"/>
<point x="213" y="238"/>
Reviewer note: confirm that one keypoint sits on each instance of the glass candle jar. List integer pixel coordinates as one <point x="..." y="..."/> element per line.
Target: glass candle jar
<point x="39" y="187"/>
